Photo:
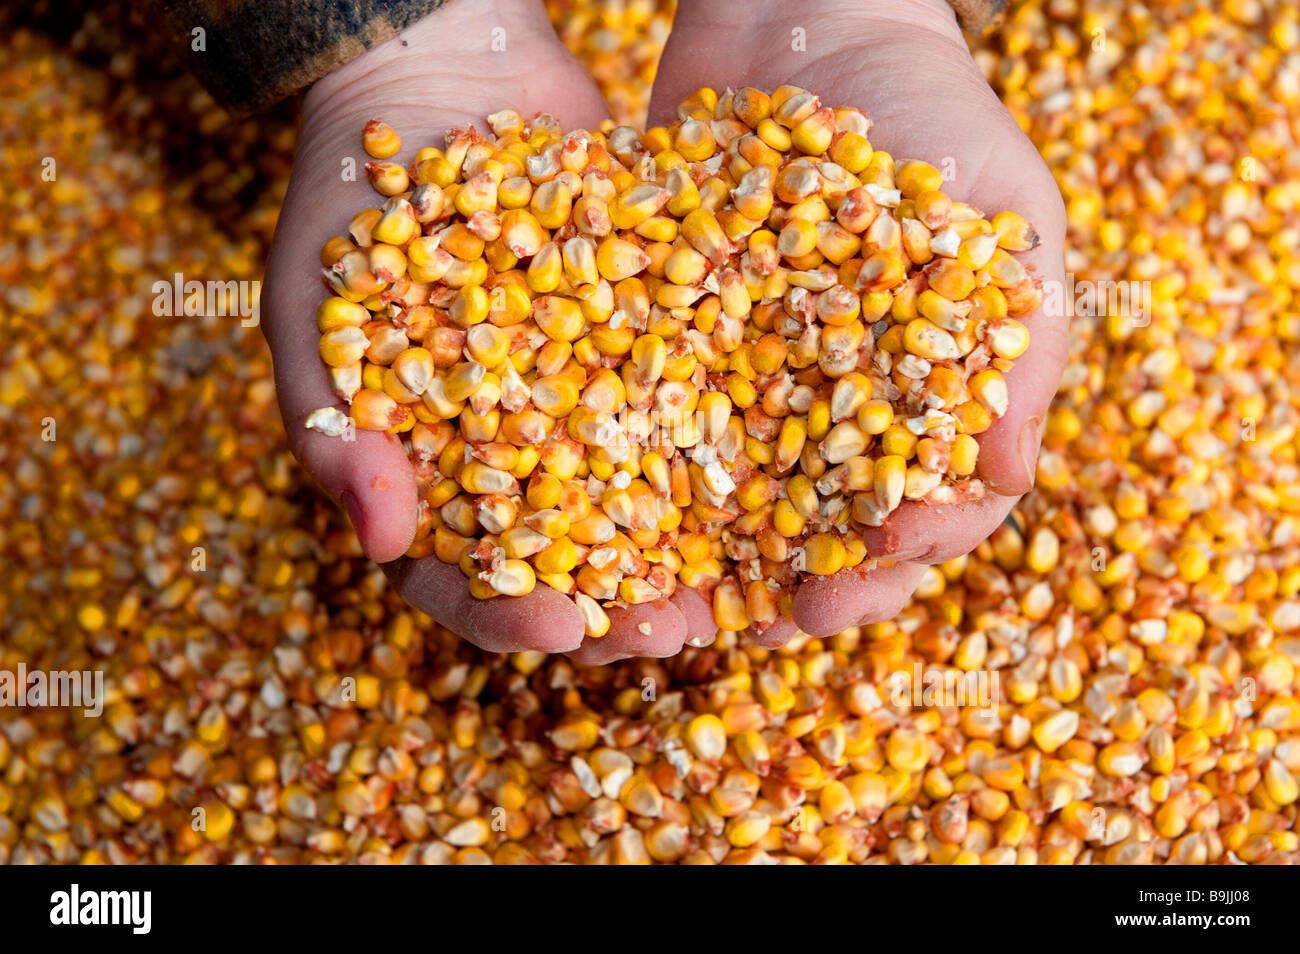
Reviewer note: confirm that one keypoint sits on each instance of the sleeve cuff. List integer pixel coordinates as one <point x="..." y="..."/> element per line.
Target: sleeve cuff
<point x="251" y="53"/>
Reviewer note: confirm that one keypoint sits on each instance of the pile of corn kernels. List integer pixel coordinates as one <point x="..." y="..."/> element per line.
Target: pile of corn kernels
<point x="712" y="352"/>
<point x="619" y="42"/>
<point x="1140" y="607"/>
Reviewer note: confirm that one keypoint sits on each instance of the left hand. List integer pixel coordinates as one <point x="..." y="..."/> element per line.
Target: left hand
<point x="440" y="73"/>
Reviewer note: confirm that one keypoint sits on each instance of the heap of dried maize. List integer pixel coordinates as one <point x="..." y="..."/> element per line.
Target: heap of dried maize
<point x="619" y="42"/>
<point x="711" y="353"/>
<point x="1116" y="742"/>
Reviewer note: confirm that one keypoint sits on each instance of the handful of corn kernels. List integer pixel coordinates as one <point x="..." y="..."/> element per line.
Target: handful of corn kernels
<point x="705" y="355"/>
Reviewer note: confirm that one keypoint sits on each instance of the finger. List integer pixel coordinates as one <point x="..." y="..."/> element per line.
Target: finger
<point x="928" y="533"/>
<point x="775" y="635"/>
<point x="828" y="605"/>
<point x="696" y="613"/>
<point x="1009" y="449"/>
<point x="648" y="629"/>
<point x="371" y="476"/>
<point x="544" y="621"/>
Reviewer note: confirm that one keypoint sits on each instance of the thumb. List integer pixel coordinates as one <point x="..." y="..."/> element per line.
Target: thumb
<point x="366" y="472"/>
<point x="370" y="477"/>
<point x="1009" y="448"/>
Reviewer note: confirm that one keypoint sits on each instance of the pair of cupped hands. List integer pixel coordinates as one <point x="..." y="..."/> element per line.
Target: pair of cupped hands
<point x="904" y="62"/>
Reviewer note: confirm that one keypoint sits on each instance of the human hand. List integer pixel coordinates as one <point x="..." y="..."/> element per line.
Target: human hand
<point x="441" y="73"/>
<point x="905" y="63"/>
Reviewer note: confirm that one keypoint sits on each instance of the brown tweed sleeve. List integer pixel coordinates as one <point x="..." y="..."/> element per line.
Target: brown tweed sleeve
<point x="975" y="16"/>
<point x="251" y="53"/>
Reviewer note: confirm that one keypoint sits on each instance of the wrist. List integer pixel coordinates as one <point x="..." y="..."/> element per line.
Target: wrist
<point x="935" y="15"/>
<point x="453" y="57"/>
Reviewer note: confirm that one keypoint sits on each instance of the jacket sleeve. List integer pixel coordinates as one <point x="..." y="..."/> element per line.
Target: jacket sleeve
<point x="252" y="53"/>
<point x="975" y="16"/>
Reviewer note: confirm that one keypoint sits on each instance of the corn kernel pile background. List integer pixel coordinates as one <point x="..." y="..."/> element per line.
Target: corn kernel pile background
<point x="1141" y="607"/>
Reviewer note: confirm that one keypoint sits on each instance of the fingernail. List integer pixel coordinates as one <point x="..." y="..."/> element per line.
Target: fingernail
<point x="353" y="507"/>
<point x="1030" y="439"/>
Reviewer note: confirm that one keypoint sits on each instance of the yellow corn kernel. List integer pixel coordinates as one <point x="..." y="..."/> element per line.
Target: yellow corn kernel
<point x="1014" y="233"/>
<point x="729" y="606"/>
<point x="824" y="554"/>
<point x="380" y="139"/>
